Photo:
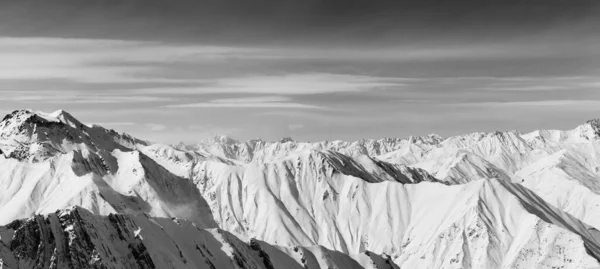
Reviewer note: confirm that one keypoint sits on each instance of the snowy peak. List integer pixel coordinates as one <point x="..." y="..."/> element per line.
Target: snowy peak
<point x="66" y="118"/>
<point x="53" y="160"/>
<point x="589" y="131"/>
<point x="431" y="139"/>
<point x="223" y="139"/>
<point x="21" y="117"/>
<point x="26" y="121"/>
<point x="36" y="136"/>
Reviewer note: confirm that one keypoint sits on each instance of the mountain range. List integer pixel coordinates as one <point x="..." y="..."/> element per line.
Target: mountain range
<point x="83" y="196"/>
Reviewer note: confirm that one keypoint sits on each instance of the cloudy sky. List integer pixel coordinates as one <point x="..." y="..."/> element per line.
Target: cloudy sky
<point x="180" y="70"/>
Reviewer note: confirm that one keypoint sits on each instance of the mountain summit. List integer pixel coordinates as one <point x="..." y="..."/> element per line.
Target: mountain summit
<point x="35" y="136"/>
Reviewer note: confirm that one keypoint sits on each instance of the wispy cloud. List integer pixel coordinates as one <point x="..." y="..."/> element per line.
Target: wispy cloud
<point x="116" y="61"/>
<point x="525" y="88"/>
<point x="150" y="126"/>
<point x="286" y="84"/>
<point x="98" y="61"/>
<point x="250" y="102"/>
<point x="110" y="124"/>
<point x="429" y="53"/>
<point x="535" y="103"/>
<point x="156" y="126"/>
<point x="259" y="99"/>
<point x="279" y="89"/>
<point x="294" y="127"/>
<point x="67" y="97"/>
<point x="524" y="84"/>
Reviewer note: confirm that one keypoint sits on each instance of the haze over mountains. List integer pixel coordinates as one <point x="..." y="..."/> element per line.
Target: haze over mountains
<point x="81" y="196"/>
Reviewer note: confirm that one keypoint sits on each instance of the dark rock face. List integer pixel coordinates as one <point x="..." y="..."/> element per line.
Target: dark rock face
<point x="26" y="241"/>
<point x="93" y="163"/>
<point x="75" y="238"/>
<point x="66" y="239"/>
<point x="43" y="242"/>
<point x="254" y="244"/>
<point x="595" y="123"/>
<point x="286" y="139"/>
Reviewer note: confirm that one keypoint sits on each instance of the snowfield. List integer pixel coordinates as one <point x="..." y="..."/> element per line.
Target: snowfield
<point x="79" y="196"/>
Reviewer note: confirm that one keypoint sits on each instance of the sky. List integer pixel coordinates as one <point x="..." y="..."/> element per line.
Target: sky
<point x="181" y="70"/>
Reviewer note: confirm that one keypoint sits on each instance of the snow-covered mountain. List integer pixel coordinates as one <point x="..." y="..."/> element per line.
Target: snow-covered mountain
<point x="482" y="200"/>
<point x="261" y="151"/>
<point x="52" y="161"/>
<point x="426" y="225"/>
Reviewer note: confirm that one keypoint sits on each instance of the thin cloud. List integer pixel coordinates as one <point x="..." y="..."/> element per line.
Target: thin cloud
<point x="250" y="102"/>
<point x="524" y="84"/>
<point x="152" y="126"/>
<point x="537" y="103"/>
<point x="294" y="127"/>
<point x="260" y="99"/>
<point x="61" y="97"/>
<point x="98" y="61"/>
<point x="115" y="61"/>
<point x="125" y="123"/>
<point x="287" y="84"/>
<point x="312" y="83"/>
<point x="156" y="126"/>
<point x="248" y="105"/>
<point x="595" y="84"/>
<point x="526" y="88"/>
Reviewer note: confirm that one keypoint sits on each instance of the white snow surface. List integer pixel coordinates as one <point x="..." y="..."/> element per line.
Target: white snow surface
<point x="481" y="200"/>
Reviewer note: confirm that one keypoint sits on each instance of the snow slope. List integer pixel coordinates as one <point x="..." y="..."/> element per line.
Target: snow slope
<point x="425" y="225"/>
<point x="561" y="166"/>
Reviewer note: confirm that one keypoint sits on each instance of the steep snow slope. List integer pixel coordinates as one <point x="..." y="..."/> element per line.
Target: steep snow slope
<point x="561" y="166"/>
<point x="564" y="181"/>
<point x="461" y="166"/>
<point x="482" y="224"/>
<point x="309" y="166"/>
<point x="53" y="161"/>
<point x="75" y="238"/>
